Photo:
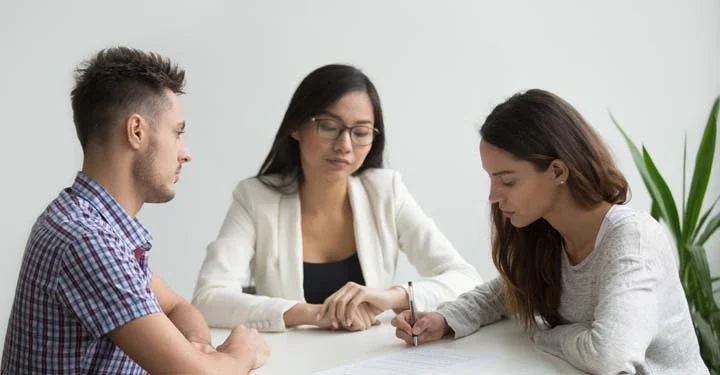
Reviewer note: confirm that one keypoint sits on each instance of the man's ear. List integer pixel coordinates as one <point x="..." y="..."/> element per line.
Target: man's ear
<point x="135" y="131"/>
<point x="560" y="171"/>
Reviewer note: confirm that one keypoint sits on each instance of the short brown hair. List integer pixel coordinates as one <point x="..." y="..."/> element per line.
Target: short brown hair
<point x="116" y="83"/>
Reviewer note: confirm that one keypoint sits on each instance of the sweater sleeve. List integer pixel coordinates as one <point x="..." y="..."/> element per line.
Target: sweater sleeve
<point x="625" y="320"/>
<point x="481" y="306"/>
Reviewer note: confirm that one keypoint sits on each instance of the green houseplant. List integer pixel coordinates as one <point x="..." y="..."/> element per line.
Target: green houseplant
<point x="690" y="230"/>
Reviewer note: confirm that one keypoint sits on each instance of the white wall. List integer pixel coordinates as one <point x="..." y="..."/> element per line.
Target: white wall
<point x="439" y="66"/>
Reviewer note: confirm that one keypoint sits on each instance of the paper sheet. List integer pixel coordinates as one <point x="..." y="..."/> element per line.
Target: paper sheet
<point x="413" y="361"/>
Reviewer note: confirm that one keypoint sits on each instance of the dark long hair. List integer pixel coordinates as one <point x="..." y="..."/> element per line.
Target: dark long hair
<point x="539" y="127"/>
<point x="318" y="91"/>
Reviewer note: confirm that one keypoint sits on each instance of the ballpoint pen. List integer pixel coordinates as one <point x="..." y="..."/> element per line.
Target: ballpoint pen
<point x="411" y="302"/>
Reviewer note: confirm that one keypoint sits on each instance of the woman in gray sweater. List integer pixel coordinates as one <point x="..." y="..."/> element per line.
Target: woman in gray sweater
<point x="595" y="282"/>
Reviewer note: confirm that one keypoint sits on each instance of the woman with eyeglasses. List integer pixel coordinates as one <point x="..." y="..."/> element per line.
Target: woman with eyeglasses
<point x="595" y="282"/>
<point x="320" y="227"/>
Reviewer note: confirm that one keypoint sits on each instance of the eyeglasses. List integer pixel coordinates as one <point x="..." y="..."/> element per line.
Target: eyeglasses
<point x="360" y="135"/>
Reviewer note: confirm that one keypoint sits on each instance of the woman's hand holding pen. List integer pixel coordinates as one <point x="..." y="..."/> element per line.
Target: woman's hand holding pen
<point x="342" y="305"/>
<point x="428" y="327"/>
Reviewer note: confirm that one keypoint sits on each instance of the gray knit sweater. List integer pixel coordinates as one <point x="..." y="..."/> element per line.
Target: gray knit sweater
<point x="624" y="303"/>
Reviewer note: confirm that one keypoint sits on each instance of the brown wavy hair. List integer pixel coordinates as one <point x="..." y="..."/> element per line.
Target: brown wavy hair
<point x="539" y="127"/>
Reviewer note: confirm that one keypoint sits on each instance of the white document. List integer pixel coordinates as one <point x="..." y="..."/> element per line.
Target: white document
<point x="414" y="361"/>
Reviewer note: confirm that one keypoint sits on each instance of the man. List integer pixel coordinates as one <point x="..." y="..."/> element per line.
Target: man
<point x="86" y="301"/>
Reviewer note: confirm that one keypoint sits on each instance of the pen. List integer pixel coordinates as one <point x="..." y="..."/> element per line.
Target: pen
<point x="411" y="302"/>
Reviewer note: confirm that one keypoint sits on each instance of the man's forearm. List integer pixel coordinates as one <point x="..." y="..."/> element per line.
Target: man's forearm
<point x="191" y="323"/>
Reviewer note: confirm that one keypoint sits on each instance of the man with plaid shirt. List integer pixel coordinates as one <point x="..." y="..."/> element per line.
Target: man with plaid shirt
<point x="86" y="300"/>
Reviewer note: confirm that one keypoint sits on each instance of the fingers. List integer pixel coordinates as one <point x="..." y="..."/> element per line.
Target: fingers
<point x="368" y="316"/>
<point x="372" y="313"/>
<point x="203" y="347"/>
<point x="236" y="332"/>
<point x="322" y="311"/>
<point x="325" y="308"/>
<point x="402" y="322"/>
<point x="331" y="310"/>
<point x="355" y="298"/>
<point x="358" y="322"/>
<point x="365" y="317"/>
<point x="263" y="354"/>
<point x="422" y="324"/>
<point x="362" y="319"/>
<point x="429" y="327"/>
<point x="424" y="328"/>
<point x="236" y="335"/>
<point x="344" y="314"/>
<point x="402" y="335"/>
<point x="335" y="306"/>
<point x="425" y="337"/>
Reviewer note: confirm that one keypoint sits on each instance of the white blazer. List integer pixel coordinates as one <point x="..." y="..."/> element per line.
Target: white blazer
<point x="262" y="237"/>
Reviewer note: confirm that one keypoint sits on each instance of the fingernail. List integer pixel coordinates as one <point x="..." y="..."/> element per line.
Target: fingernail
<point x="349" y="322"/>
<point x="317" y="316"/>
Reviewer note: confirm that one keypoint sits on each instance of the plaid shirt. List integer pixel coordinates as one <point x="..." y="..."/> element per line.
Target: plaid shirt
<point x="84" y="274"/>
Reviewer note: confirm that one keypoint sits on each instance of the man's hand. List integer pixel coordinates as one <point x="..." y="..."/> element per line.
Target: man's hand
<point x="246" y="343"/>
<point x="203" y="347"/>
<point x="160" y="348"/>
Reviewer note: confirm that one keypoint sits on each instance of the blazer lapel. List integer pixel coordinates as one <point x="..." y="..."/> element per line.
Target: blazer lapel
<point x="366" y="239"/>
<point x="290" y="262"/>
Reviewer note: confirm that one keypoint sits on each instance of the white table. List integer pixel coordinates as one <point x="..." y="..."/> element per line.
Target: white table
<point x="504" y="349"/>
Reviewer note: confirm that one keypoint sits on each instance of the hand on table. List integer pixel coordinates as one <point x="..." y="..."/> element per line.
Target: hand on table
<point x="362" y="318"/>
<point x="246" y="343"/>
<point x="429" y="326"/>
<point x="342" y="305"/>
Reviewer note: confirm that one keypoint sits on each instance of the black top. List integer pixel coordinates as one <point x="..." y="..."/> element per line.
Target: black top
<point x="321" y="280"/>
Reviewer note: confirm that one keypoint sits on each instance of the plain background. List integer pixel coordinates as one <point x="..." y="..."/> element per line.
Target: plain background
<point x="440" y="67"/>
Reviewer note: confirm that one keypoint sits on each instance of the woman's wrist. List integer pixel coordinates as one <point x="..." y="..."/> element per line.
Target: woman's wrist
<point x="398" y="298"/>
<point x="301" y="313"/>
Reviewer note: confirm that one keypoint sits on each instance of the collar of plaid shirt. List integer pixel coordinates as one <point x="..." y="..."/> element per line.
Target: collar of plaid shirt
<point x="138" y="237"/>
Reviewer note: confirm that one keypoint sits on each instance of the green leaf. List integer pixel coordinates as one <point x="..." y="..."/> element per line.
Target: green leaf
<point x="655" y="191"/>
<point x="655" y="211"/>
<point x="703" y="219"/>
<point x="710" y="229"/>
<point x="704" y="300"/>
<point x="709" y="343"/>
<point x="701" y="175"/>
<point x="664" y="198"/>
<point x="683" y="197"/>
<point x="714" y="320"/>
